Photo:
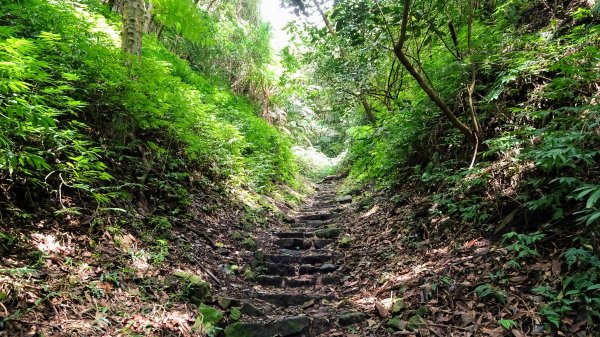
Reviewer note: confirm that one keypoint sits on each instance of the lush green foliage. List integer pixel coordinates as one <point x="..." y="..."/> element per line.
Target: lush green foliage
<point x="527" y="72"/>
<point x="79" y="119"/>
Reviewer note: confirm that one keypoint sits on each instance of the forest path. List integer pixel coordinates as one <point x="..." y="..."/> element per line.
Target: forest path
<point x="298" y="268"/>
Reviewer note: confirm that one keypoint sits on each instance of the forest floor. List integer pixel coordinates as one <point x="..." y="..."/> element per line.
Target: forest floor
<point x="340" y="265"/>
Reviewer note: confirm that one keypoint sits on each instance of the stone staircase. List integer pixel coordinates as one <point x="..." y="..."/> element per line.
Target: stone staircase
<point x="297" y="270"/>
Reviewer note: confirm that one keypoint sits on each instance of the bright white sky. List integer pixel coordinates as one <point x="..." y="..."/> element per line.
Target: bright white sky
<point x="278" y="17"/>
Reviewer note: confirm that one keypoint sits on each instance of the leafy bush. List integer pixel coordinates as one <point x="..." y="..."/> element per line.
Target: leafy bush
<point x="78" y="114"/>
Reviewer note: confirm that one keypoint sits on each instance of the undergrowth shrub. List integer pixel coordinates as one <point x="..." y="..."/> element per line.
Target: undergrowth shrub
<point x="84" y="121"/>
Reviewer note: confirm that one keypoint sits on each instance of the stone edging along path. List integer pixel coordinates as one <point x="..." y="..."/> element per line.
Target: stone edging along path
<point x="298" y="269"/>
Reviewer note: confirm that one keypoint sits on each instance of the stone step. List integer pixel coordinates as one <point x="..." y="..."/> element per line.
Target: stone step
<point x="317" y="216"/>
<point x="321" y="209"/>
<point x="323" y="269"/>
<point x="297" y="234"/>
<point x="298" y="243"/>
<point x="328" y="233"/>
<point x="344" y="199"/>
<point x="310" y="224"/>
<point x="323" y="199"/>
<point x="295" y="282"/>
<point x="290" y="326"/>
<point x="321" y="205"/>
<point x="322" y="243"/>
<point x="279" y="269"/>
<point x="294" y="243"/>
<point x="285" y="282"/>
<point x="300" y="259"/>
<point x="287" y="300"/>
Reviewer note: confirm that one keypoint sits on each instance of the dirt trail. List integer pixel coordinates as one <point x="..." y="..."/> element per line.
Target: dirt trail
<point x="298" y="269"/>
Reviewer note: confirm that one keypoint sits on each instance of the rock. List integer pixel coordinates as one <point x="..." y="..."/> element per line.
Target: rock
<point x="344" y="199"/>
<point x="328" y="268"/>
<point x="422" y="311"/>
<point x="235" y="314"/>
<point x="398" y="306"/>
<point x="288" y="218"/>
<point x="222" y="251"/>
<point x="322" y="243"/>
<point x="295" y="282"/>
<point x="292" y="235"/>
<point x="318" y="216"/>
<point x="396" y="324"/>
<point x="306" y="259"/>
<point x="350" y="318"/>
<point x="249" y="243"/>
<point x="268" y="280"/>
<point x="311" y="224"/>
<point x="208" y="318"/>
<point x="277" y="269"/>
<point x="345" y="241"/>
<point x="251" y="310"/>
<point x="330" y="279"/>
<point x="230" y="269"/>
<point x="197" y="290"/>
<point x="289" y="243"/>
<point x="414" y="323"/>
<point x="224" y="302"/>
<point x="286" y="327"/>
<point x="285" y="300"/>
<point x="328" y="233"/>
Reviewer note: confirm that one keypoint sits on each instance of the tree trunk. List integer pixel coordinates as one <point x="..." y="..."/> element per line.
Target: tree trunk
<point x="148" y="19"/>
<point x="471" y="88"/>
<point x="431" y="93"/>
<point x="368" y="110"/>
<point x="325" y="19"/>
<point x="160" y="30"/>
<point x="133" y="25"/>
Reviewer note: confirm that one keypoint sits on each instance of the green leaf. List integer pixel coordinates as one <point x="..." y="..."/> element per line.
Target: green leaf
<point x="593" y="199"/>
<point x="507" y="323"/>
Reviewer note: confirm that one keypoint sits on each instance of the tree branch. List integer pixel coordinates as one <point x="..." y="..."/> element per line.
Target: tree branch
<point x="399" y="52"/>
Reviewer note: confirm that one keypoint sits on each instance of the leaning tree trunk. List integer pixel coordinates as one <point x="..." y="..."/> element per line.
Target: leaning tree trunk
<point x="134" y="12"/>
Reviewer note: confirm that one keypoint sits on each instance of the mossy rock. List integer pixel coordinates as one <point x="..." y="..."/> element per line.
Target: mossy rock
<point x="414" y="323"/>
<point x="208" y="318"/>
<point x="422" y="311"/>
<point x="237" y="235"/>
<point x="196" y="290"/>
<point x="345" y="241"/>
<point x="290" y="326"/>
<point x="231" y="268"/>
<point x="366" y="202"/>
<point x="249" y="243"/>
<point x="397" y="306"/>
<point x="224" y="302"/>
<point x="235" y="314"/>
<point x="396" y="324"/>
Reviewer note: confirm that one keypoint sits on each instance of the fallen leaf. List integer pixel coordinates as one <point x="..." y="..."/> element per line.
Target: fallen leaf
<point x="556" y="267"/>
<point x="517" y="333"/>
<point x="381" y="310"/>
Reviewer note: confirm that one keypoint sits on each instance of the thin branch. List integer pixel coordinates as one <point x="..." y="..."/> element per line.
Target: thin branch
<point x="387" y="25"/>
<point x="400" y="44"/>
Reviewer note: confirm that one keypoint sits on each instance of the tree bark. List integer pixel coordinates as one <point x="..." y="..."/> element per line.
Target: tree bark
<point x="134" y="12"/>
